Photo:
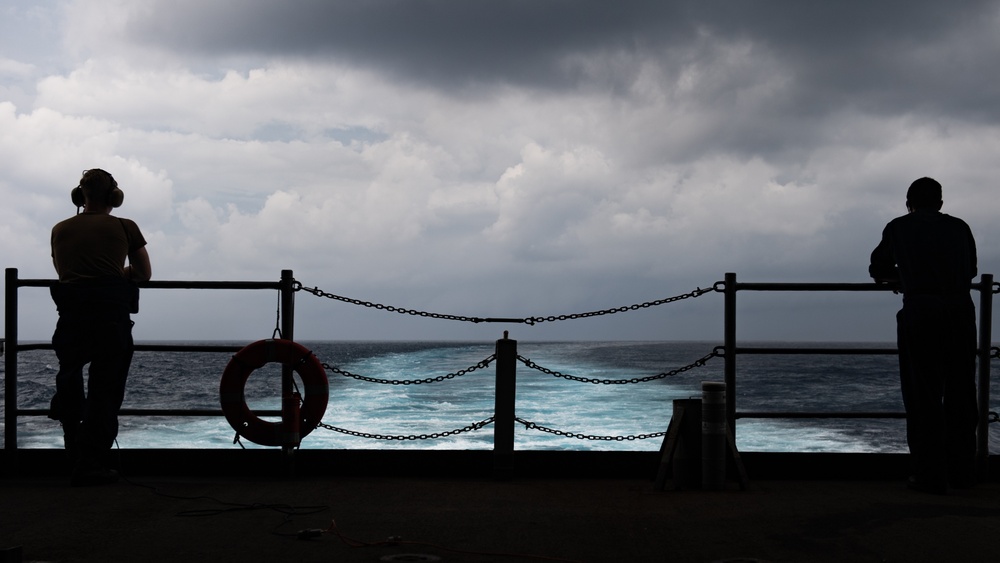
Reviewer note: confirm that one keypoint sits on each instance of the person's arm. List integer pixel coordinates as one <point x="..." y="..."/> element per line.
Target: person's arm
<point x="972" y="254"/>
<point x="138" y="268"/>
<point x="52" y="245"/>
<point x="882" y="267"/>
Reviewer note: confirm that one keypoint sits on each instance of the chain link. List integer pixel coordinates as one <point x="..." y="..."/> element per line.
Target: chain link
<point x="717" y="351"/>
<point x="472" y="427"/>
<point x="994" y="417"/>
<point x="482" y="364"/>
<point x="531" y="321"/>
<point x="532" y="426"/>
<point x="995" y="352"/>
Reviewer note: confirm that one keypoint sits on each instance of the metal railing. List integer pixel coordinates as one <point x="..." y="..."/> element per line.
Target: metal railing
<point x="732" y="350"/>
<point x="12" y="283"/>
<point x="506" y="356"/>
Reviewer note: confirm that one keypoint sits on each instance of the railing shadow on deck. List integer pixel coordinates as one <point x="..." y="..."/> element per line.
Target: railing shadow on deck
<point x="501" y="459"/>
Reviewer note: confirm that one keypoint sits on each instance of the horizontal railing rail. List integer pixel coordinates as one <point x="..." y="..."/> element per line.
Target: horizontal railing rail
<point x="171" y="284"/>
<point x="816" y="351"/>
<point x="149" y="347"/>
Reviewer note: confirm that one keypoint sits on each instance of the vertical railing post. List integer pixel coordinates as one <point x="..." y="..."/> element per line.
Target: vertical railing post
<point x="287" y="305"/>
<point x="10" y="360"/>
<point x="985" y="341"/>
<point x="289" y="418"/>
<point x="503" y="422"/>
<point x="729" y="344"/>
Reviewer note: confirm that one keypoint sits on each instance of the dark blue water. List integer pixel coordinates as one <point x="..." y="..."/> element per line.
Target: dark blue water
<point x="764" y="383"/>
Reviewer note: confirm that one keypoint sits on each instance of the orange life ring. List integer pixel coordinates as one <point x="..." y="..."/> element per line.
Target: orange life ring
<point x="286" y="432"/>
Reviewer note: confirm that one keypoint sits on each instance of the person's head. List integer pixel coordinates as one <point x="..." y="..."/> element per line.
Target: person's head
<point x="97" y="188"/>
<point x="924" y="194"/>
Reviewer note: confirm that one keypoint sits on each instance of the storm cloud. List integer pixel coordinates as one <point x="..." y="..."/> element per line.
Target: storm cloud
<point x="503" y="158"/>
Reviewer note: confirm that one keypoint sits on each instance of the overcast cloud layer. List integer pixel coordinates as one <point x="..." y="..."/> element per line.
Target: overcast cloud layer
<point x="499" y="159"/>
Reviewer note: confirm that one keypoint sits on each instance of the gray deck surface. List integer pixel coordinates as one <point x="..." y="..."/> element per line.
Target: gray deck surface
<point x="406" y="519"/>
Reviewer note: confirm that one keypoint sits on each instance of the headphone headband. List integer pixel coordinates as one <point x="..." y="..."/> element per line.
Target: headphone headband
<point x="96" y="179"/>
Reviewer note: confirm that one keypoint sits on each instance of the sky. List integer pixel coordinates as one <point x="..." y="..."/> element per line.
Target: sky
<point x="499" y="158"/>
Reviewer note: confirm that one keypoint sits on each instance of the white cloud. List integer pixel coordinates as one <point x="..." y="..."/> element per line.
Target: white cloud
<point x="16" y="69"/>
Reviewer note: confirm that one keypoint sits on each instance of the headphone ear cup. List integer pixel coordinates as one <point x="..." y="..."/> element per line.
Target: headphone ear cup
<point x="77" y="196"/>
<point x="116" y="197"/>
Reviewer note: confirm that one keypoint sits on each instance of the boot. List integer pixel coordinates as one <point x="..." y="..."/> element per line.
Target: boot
<point x="91" y="467"/>
<point x="72" y="440"/>
<point x="88" y="473"/>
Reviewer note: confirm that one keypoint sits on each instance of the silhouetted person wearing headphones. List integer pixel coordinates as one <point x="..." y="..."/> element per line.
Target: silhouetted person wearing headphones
<point x="932" y="258"/>
<point x="95" y="295"/>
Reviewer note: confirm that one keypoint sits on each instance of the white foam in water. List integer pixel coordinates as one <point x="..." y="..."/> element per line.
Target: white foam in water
<point x="160" y="380"/>
<point x="761" y="435"/>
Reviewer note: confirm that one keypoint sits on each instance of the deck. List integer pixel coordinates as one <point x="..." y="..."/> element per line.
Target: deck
<point x="387" y="507"/>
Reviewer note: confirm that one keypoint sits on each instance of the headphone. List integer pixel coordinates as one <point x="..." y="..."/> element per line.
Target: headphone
<point x="114" y="197"/>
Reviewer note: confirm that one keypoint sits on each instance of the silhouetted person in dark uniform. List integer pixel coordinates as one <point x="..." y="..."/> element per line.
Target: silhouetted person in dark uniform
<point x="95" y="296"/>
<point x="932" y="258"/>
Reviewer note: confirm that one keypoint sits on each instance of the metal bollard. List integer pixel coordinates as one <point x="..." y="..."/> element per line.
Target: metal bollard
<point x="713" y="435"/>
<point x="687" y="453"/>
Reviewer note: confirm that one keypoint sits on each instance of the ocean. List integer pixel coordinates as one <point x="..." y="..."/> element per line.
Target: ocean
<point x="584" y="415"/>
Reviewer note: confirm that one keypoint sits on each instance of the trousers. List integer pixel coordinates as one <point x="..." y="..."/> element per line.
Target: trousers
<point x="94" y="328"/>
<point x="936" y="336"/>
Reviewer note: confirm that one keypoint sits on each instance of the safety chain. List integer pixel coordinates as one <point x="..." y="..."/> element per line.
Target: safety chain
<point x="994" y="417"/>
<point x="459" y="373"/>
<point x="718" y="287"/>
<point x="320" y="293"/>
<point x="717" y="351"/>
<point x="532" y="426"/>
<point x="995" y="352"/>
<point x="474" y="426"/>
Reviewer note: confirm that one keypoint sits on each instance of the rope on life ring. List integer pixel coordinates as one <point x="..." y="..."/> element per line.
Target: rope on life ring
<point x="304" y="419"/>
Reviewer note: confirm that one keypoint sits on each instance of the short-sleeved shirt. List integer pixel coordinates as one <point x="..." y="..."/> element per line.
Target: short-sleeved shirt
<point x="929" y="252"/>
<point x="92" y="246"/>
